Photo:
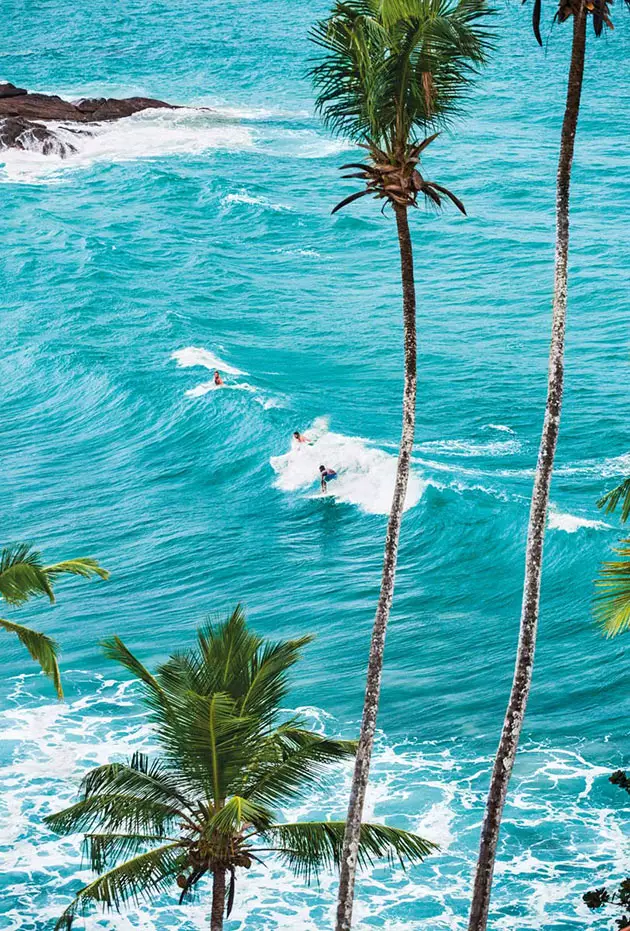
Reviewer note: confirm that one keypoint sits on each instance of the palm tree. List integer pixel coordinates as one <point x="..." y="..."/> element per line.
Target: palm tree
<point x="208" y="803"/>
<point x="513" y="723"/>
<point x="22" y="576"/>
<point x="391" y="71"/>
<point x="612" y="604"/>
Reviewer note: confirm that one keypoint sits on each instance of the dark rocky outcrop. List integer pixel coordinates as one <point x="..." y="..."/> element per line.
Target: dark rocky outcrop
<point x="10" y="90"/>
<point x="18" y="133"/>
<point x="21" y="114"/>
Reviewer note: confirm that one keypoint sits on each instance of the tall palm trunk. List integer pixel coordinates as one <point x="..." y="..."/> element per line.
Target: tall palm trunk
<point x="218" y="900"/>
<point x="521" y="684"/>
<point x="375" y="664"/>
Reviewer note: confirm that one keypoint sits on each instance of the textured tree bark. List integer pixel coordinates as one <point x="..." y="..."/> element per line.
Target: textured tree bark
<point x="375" y="663"/>
<point x="521" y="684"/>
<point x="218" y="900"/>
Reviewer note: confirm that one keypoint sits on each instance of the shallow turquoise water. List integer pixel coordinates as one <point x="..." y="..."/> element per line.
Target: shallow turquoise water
<point x="212" y="232"/>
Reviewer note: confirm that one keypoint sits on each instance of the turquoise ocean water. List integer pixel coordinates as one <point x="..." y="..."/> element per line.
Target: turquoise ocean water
<point x="174" y="242"/>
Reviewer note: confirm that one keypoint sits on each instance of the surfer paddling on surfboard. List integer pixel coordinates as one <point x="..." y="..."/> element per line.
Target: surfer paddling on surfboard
<point x="299" y="437"/>
<point x="326" y="475"/>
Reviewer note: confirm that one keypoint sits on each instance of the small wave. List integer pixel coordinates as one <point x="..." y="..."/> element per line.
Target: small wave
<point x="199" y="390"/>
<point x="243" y="197"/>
<point x="301" y="143"/>
<point x="197" y="355"/>
<point x="366" y="475"/>
<point x="469" y="448"/>
<point x="499" y="426"/>
<point x="302" y="253"/>
<point x="570" y="523"/>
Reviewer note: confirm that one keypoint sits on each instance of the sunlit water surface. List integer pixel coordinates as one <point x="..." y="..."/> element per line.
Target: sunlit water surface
<point x="174" y="242"/>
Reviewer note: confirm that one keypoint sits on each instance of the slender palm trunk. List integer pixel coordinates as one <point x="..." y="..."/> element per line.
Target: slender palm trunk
<point x="218" y="900"/>
<point x="521" y="684"/>
<point x="375" y="664"/>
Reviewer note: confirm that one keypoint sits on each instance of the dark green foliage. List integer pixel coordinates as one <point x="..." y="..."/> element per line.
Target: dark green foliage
<point x="391" y="68"/>
<point x="23" y="575"/>
<point x="227" y="759"/>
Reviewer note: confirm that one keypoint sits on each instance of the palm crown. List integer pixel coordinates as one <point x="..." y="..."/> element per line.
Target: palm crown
<point x="598" y="9"/>
<point x="24" y="575"/>
<point x="207" y="803"/>
<point x="392" y="69"/>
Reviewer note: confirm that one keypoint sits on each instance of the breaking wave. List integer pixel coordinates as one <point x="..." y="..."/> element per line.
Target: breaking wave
<point x="366" y="474"/>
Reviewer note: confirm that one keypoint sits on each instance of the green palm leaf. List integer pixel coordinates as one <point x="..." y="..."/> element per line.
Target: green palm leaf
<point x="140" y="778"/>
<point x="83" y="566"/>
<point x="140" y="878"/>
<point x="291" y="762"/>
<point x="309" y="846"/>
<point x="104" y="850"/>
<point x="115" y="812"/>
<point x="612" y="601"/>
<point x="228" y="756"/>
<point x="22" y="574"/>
<point x="612" y="498"/>
<point x="42" y="648"/>
<point x="391" y="69"/>
<point x="116" y="650"/>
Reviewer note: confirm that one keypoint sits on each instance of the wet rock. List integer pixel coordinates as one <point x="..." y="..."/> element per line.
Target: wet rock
<point x="108" y="108"/>
<point x="18" y="133"/>
<point x="10" y="90"/>
<point x="22" y="116"/>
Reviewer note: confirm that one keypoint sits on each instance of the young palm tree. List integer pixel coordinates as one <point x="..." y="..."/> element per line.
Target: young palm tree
<point x="207" y="805"/>
<point x="392" y="70"/>
<point x="513" y="723"/>
<point x="22" y="576"/>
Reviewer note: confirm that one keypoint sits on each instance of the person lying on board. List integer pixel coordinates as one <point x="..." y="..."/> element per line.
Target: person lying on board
<point x="299" y="437"/>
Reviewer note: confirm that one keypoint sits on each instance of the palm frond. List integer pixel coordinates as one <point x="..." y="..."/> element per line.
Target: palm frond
<point x="235" y="814"/>
<point x="612" y="498"/>
<point x="105" y="850"/>
<point x="389" y="70"/>
<point x="22" y="574"/>
<point x="83" y="566"/>
<point x="116" y="650"/>
<point x="310" y="846"/>
<point x="42" y="649"/>
<point x="612" y="601"/>
<point x="140" y="778"/>
<point x="291" y="761"/>
<point x="133" y="881"/>
<point x="113" y="813"/>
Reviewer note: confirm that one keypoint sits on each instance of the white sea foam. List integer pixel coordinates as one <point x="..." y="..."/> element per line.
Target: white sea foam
<point x="366" y="475"/>
<point x="197" y="355"/>
<point x="206" y="386"/>
<point x="244" y="197"/>
<point x="561" y="836"/>
<point x="570" y="523"/>
<point x="144" y="135"/>
<point x="302" y="253"/>
<point x="470" y="448"/>
<point x="501" y="427"/>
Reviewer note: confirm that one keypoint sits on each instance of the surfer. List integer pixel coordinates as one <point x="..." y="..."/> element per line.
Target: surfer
<point x="217" y="379"/>
<point x="326" y="475"/>
<point x="299" y="437"/>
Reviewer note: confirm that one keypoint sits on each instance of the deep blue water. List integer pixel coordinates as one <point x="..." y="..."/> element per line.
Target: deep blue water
<point x="209" y="235"/>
